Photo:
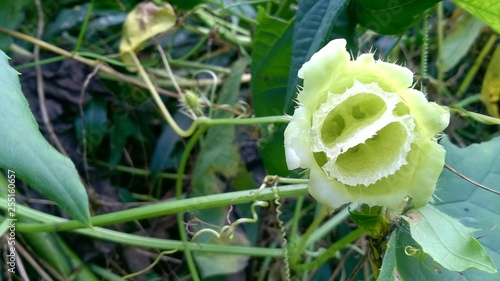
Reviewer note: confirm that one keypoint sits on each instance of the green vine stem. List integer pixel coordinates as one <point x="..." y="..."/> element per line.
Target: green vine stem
<point x="330" y="252"/>
<point x="131" y="275"/>
<point x="134" y="171"/>
<point x="104" y="273"/>
<point x="148" y="242"/>
<point x="159" y="209"/>
<point x="295" y="221"/>
<point x="467" y="101"/>
<point x="84" y="27"/>
<point x="481" y="118"/>
<point x="477" y="63"/>
<point x="163" y="109"/>
<point x="301" y="246"/>
<point x="331" y="224"/>
<point x="178" y="195"/>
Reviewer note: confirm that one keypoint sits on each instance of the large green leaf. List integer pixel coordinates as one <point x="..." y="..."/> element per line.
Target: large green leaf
<point x="318" y="21"/>
<point x="389" y="16"/>
<point x="271" y="59"/>
<point x="472" y="206"/>
<point x="447" y="241"/>
<point x="487" y="10"/>
<point x="11" y="13"/>
<point x="26" y="152"/>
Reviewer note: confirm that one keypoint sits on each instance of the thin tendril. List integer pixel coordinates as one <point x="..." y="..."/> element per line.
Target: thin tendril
<point x="283" y="231"/>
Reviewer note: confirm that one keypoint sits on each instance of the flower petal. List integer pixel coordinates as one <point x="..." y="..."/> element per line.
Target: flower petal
<point x="430" y="117"/>
<point x="428" y="165"/>
<point x="297" y="143"/>
<point x="320" y="71"/>
<point x="363" y="133"/>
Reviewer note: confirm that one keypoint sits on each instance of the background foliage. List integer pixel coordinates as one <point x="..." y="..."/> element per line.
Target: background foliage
<point x="240" y="61"/>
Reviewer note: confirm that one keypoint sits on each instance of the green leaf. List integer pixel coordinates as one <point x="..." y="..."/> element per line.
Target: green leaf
<point x="398" y="265"/>
<point x="11" y="13"/>
<point x="318" y="21"/>
<point x="372" y="220"/>
<point x="219" y="154"/>
<point x="92" y="126"/>
<point x="447" y="241"/>
<point x="26" y="152"/>
<point x="212" y="264"/>
<point x="472" y="206"/>
<point x="390" y="16"/>
<point x="458" y="42"/>
<point x="163" y="155"/>
<point x="122" y="129"/>
<point x="486" y="10"/>
<point x="389" y="270"/>
<point x="271" y="59"/>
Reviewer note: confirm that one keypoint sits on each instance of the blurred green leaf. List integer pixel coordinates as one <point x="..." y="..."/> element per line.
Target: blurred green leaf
<point x="218" y="156"/>
<point x="447" y="241"/>
<point x="490" y="90"/>
<point x="218" y="153"/>
<point x="271" y="59"/>
<point x="93" y="125"/>
<point x="26" y="152"/>
<point x="458" y="42"/>
<point x="163" y="156"/>
<point x="486" y="10"/>
<point x="389" y="16"/>
<point x="11" y="13"/>
<point x="121" y="130"/>
<point x="104" y="20"/>
<point x="223" y="264"/>
<point x="55" y="252"/>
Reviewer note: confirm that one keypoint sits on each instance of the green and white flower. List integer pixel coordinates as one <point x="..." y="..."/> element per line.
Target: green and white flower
<point x="363" y="133"/>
